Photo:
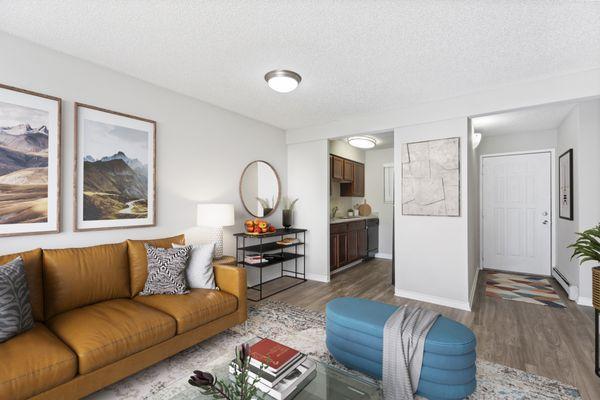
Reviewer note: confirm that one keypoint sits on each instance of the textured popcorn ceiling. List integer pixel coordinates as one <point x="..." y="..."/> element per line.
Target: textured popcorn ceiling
<point x="354" y="56"/>
<point x="541" y="118"/>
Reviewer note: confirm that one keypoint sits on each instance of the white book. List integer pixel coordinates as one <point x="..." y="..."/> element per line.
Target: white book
<point x="266" y="378"/>
<point x="292" y="383"/>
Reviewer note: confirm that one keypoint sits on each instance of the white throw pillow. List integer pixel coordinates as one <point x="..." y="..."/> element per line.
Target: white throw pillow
<point x="199" y="271"/>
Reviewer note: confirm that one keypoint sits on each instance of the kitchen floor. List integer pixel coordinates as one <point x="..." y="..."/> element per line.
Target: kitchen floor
<point x="557" y="343"/>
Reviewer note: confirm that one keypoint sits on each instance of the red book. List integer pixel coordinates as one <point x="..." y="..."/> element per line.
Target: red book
<point x="276" y="354"/>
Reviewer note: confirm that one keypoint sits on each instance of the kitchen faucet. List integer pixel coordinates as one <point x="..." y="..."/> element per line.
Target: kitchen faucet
<point x="334" y="211"/>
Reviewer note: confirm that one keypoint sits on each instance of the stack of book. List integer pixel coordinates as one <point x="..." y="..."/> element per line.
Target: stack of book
<point x="255" y="259"/>
<point x="279" y="371"/>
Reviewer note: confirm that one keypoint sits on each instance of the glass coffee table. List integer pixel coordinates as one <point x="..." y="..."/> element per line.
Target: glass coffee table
<point x="328" y="384"/>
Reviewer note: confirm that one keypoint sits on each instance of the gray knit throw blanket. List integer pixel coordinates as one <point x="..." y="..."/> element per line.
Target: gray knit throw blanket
<point x="403" y="344"/>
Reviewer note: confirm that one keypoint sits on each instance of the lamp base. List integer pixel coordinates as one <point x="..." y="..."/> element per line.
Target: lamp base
<point x="217" y="237"/>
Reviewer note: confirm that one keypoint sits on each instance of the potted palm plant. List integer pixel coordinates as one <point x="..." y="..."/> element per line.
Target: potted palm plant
<point x="587" y="248"/>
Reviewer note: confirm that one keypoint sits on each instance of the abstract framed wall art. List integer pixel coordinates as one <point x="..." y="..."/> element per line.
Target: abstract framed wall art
<point x="565" y="187"/>
<point x="29" y="162"/>
<point x="115" y="169"/>
<point x="431" y="178"/>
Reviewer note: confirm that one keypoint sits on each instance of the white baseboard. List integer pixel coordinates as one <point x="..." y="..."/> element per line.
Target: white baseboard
<point x="385" y="256"/>
<point x="473" y="288"/>
<point x="572" y="290"/>
<point x="443" y="301"/>
<point x="584" y="301"/>
<point x="317" y="277"/>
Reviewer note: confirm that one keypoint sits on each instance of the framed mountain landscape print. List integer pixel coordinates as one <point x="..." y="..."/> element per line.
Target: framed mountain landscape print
<point x="115" y="171"/>
<point x="29" y="162"/>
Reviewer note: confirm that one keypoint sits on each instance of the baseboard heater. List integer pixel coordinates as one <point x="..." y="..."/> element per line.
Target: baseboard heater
<point x="572" y="291"/>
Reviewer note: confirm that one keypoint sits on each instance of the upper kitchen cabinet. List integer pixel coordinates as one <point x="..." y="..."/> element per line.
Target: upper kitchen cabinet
<point x="356" y="186"/>
<point x="348" y="170"/>
<point x="337" y="168"/>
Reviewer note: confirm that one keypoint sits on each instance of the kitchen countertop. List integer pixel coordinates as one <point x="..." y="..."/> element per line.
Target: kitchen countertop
<point x="342" y="220"/>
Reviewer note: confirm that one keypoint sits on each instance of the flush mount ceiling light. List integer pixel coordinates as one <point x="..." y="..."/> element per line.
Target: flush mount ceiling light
<point x="476" y="139"/>
<point x="282" y="80"/>
<point x="362" y="142"/>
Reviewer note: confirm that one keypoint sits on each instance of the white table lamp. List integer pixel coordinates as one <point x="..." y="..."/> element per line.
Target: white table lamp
<point x="216" y="216"/>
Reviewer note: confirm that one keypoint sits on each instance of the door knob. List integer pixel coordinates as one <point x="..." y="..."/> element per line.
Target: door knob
<point x="545" y="213"/>
<point x="545" y="222"/>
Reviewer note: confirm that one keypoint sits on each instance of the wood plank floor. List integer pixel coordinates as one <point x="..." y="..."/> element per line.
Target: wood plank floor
<point x="551" y="342"/>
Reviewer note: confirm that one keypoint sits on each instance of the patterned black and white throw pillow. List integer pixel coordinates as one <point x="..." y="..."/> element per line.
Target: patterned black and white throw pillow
<point x="15" y="308"/>
<point x="166" y="270"/>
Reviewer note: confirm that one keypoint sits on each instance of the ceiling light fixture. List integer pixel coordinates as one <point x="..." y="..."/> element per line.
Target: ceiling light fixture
<point x="476" y="139"/>
<point x="282" y="80"/>
<point x="362" y="142"/>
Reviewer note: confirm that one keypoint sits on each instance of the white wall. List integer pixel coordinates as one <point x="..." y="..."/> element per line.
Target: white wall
<point x="308" y="177"/>
<point x="432" y="252"/>
<point x="588" y="192"/>
<point x="374" y="161"/>
<point x="474" y="252"/>
<point x="518" y="141"/>
<point x="568" y="138"/>
<point x="343" y="149"/>
<point x="201" y="149"/>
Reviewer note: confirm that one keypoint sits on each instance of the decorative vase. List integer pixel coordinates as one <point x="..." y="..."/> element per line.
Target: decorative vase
<point x="266" y="211"/>
<point x="596" y="287"/>
<point x="287" y="219"/>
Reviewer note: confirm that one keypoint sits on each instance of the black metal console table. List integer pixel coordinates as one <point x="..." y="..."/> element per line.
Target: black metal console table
<point x="285" y="255"/>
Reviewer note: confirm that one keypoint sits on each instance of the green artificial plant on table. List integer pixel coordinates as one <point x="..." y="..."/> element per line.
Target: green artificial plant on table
<point x="587" y="249"/>
<point x="243" y="387"/>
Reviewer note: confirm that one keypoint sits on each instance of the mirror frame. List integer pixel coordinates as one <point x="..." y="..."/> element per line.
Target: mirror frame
<point x="278" y="188"/>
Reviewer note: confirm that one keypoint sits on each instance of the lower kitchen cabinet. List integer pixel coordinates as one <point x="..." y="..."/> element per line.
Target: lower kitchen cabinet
<point x="348" y="243"/>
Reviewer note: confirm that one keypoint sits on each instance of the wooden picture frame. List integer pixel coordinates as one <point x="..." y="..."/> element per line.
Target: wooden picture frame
<point x="113" y="190"/>
<point x="30" y="175"/>
<point x="565" y="185"/>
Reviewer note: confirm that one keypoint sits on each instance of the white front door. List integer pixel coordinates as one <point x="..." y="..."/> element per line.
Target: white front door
<point x="516" y="211"/>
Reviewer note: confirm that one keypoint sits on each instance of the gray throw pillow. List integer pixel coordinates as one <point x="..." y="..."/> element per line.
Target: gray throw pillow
<point x="199" y="272"/>
<point x="166" y="270"/>
<point x="15" y="308"/>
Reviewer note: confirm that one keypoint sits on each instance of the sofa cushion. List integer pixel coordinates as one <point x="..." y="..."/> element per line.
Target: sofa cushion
<point x="78" y="277"/>
<point x="103" y="333"/>
<point x="34" y="362"/>
<point x="192" y="310"/>
<point x="138" y="261"/>
<point x="33" y="270"/>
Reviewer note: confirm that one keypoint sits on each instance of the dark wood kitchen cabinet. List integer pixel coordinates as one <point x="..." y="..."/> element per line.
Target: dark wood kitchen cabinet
<point x="356" y="187"/>
<point x="348" y="243"/>
<point x="338" y="245"/>
<point x="348" y="170"/>
<point x="337" y="168"/>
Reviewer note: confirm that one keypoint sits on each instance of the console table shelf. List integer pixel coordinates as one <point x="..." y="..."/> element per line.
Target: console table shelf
<point x="286" y="256"/>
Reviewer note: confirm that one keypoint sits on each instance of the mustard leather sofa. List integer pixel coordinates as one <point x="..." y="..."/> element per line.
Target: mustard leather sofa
<point x="91" y="327"/>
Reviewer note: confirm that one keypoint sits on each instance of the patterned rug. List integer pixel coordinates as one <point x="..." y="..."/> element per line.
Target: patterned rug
<point x="526" y="288"/>
<point x="305" y="330"/>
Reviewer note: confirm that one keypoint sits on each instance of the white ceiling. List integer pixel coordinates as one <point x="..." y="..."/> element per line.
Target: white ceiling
<point x="354" y="56"/>
<point x="541" y="118"/>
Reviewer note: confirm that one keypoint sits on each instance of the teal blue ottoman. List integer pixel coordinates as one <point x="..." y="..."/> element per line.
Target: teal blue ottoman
<point x="355" y="339"/>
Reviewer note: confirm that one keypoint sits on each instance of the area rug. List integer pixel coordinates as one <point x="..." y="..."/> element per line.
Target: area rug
<point x="525" y="288"/>
<point x="304" y="329"/>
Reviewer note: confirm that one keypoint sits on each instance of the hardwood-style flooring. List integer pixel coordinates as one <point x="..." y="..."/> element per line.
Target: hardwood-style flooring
<point x="551" y="342"/>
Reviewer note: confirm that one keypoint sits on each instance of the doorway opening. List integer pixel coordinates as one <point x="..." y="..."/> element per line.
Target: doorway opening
<point x="361" y="200"/>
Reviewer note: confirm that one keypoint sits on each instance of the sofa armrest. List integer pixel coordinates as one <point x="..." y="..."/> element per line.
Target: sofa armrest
<point x="232" y="280"/>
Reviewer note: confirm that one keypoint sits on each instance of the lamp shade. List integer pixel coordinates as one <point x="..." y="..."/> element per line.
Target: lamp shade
<point x="215" y="215"/>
